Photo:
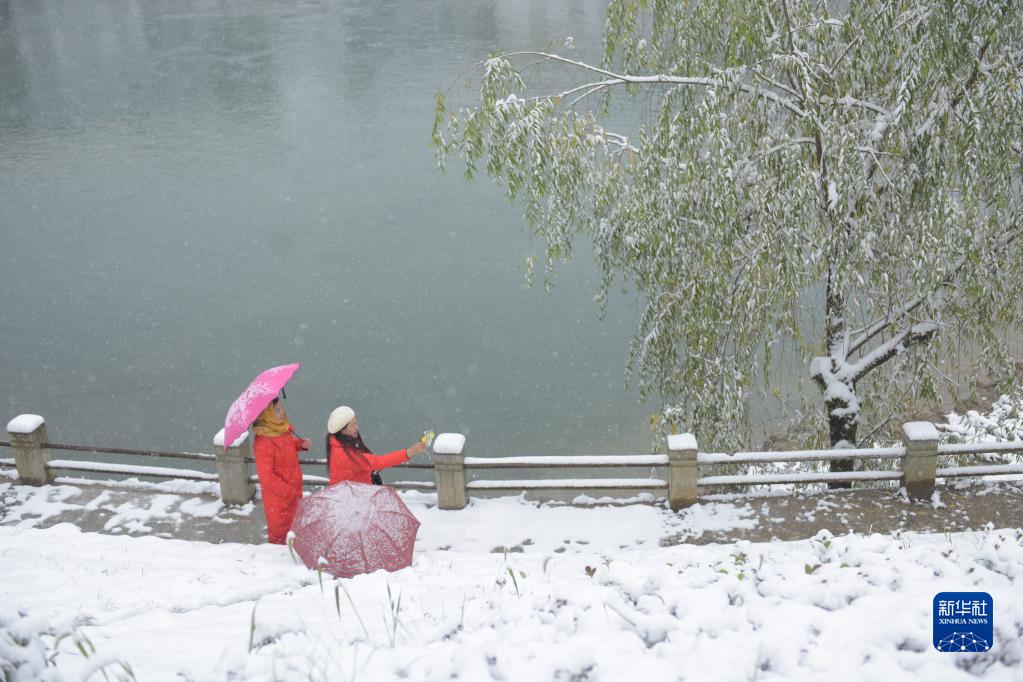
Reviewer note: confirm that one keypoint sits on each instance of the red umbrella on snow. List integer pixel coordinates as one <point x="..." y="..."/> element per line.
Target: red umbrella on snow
<point x="352" y="528"/>
<point x="254" y="399"/>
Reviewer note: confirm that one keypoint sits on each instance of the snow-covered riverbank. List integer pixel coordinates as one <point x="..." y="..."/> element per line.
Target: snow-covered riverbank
<point x="594" y="601"/>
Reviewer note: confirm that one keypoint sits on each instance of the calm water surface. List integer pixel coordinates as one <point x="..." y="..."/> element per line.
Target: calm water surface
<point x="193" y="191"/>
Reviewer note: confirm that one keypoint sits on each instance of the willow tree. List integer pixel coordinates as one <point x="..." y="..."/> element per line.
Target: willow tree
<point x="843" y="179"/>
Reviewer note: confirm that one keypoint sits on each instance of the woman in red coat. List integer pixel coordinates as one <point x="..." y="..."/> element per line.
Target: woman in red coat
<point x="348" y="458"/>
<point x="280" y="476"/>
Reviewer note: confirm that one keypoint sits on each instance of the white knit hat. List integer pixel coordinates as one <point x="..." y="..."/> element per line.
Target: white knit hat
<point x="340" y="418"/>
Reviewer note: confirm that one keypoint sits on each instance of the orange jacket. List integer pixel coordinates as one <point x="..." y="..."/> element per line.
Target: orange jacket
<point x="349" y="464"/>
<point x="277" y="462"/>
<point x="280" y="481"/>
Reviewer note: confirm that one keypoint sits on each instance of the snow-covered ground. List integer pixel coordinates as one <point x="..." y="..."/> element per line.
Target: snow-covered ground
<point x="584" y="594"/>
<point x="504" y="590"/>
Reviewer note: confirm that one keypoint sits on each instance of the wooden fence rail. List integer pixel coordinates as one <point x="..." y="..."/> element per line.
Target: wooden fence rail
<point x="917" y="466"/>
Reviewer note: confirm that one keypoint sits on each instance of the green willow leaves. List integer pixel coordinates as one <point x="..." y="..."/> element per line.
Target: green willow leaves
<point x="841" y="179"/>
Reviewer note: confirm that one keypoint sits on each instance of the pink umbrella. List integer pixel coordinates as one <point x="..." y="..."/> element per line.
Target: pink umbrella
<point x="254" y="399"/>
<point x="352" y="528"/>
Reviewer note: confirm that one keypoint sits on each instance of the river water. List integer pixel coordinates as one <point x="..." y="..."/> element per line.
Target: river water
<point x="193" y="191"/>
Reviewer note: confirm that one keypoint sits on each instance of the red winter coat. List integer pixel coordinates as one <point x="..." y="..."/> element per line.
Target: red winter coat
<point x="347" y="463"/>
<point x="280" y="481"/>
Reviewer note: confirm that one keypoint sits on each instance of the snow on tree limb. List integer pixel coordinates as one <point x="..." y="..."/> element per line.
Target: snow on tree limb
<point x="665" y="79"/>
<point x="868" y="333"/>
<point x="850" y="373"/>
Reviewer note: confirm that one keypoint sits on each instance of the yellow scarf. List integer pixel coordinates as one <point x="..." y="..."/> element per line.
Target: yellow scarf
<point x="267" y="423"/>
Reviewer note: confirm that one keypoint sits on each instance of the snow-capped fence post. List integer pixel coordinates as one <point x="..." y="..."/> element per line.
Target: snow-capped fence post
<point x="681" y="470"/>
<point x="28" y="436"/>
<point x="921" y="460"/>
<point x="233" y="468"/>
<point x="449" y="471"/>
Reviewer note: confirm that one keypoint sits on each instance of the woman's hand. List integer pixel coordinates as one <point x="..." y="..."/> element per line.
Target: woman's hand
<point x="306" y="443"/>
<point x="417" y="449"/>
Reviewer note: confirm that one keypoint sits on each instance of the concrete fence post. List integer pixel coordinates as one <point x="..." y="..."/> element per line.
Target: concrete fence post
<point x="233" y="469"/>
<point x="682" y="470"/>
<point x="921" y="460"/>
<point x="449" y="471"/>
<point x="28" y="434"/>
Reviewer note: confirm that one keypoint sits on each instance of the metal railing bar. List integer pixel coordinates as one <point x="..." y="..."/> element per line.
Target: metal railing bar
<point x="979" y="448"/>
<point x="128" y="451"/>
<point x="800" y="456"/>
<point x="572" y="484"/>
<point x="980" y="470"/>
<point x="608" y="465"/>
<point x="561" y="461"/>
<point x="128" y="470"/>
<point x="767" y="479"/>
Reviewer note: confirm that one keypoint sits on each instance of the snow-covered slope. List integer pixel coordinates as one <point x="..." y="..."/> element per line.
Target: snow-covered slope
<point x="836" y="608"/>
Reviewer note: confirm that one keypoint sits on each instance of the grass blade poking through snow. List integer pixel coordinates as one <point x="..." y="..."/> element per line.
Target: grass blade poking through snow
<point x="252" y="626"/>
<point x="357" y="615"/>
<point x="395" y="611"/>
<point x="81" y="641"/>
<point x="96" y="664"/>
<point x="291" y="546"/>
<point x="514" y="581"/>
<point x="321" y="564"/>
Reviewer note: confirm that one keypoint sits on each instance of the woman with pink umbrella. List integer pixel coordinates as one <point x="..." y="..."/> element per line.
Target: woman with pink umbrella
<point x="276" y="446"/>
<point x="280" y="475"/>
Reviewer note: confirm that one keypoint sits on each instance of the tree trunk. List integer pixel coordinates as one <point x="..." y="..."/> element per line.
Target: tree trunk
<point x="842" y="416"/>
<point x="842" y="429"/>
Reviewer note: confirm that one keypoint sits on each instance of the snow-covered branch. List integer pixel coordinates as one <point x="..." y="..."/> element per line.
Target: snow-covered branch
<point x="912" y="336"/>
<point x="563" y="94"/>
<point x="853" y="102"/>
<point x="863" y="336"/>
<point x="832" y="368"/>
<point x="591" y="91"/>
<point x="665" y="79"/>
